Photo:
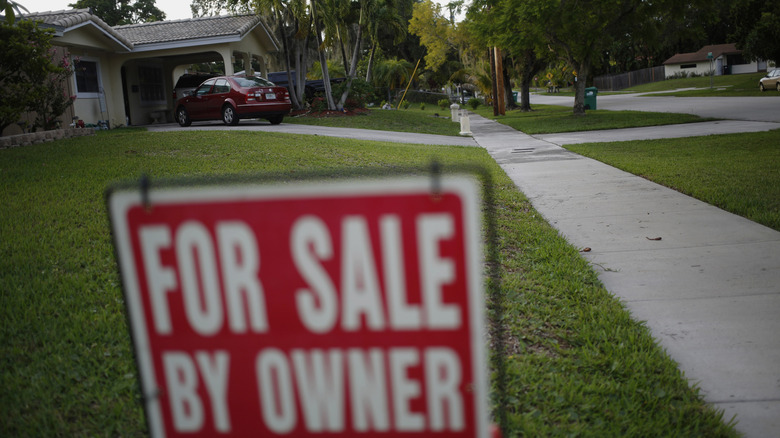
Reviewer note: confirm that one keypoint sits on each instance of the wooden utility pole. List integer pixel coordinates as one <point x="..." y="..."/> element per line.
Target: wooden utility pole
<point x="499" y="80"/>
<point x="493" y="76"/>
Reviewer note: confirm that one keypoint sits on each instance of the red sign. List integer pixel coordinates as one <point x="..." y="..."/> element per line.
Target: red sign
<point x="333" y="309"/>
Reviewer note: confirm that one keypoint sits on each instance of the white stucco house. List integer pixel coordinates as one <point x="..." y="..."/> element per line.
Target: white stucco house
<point x="726" y="59"/>
<point x="125" y="74"/>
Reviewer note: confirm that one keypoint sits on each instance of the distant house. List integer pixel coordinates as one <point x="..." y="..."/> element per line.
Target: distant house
<point x="125" y="74"/>
<point x="726" y="59"/>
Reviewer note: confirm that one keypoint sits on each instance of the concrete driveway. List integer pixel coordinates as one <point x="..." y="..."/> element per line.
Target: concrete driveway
<point x="764" y="108"/>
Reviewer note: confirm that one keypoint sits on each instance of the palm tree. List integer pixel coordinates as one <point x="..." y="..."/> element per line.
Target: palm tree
<point x="290" y="17"/>
<point x="384" y="16"/>
<point x="11" y="9"/>
<point x="393" y="72"/>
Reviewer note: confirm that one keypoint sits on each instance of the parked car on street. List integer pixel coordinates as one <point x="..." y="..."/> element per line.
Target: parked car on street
<point x="770" y="81"/>
<point x="188" y="82"/>
<point x="232" y="98"/>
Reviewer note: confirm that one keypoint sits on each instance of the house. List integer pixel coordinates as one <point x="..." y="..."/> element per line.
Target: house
<point x="125" y="74"/>
<point x="726" y="59"/>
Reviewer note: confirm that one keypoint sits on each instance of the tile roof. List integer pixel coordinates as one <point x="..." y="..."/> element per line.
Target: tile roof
<point x="66" y="19"/>
<point x="188" y="29"/>
<point x="717" y="50"/>
<point x="157" y="32"/>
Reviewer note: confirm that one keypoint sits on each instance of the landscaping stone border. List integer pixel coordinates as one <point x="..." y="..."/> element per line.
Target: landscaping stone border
<point x="13" y="141"/>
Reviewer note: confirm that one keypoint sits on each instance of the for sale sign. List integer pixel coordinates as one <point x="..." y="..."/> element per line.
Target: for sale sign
<point x="332" y="309"/>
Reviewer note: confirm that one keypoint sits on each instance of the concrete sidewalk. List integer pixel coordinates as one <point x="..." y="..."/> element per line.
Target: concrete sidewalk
<point x="291" y="128"/>
<point x="707" y="282"/>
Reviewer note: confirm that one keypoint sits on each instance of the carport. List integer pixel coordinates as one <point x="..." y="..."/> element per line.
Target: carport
<point x="163" y="50"/>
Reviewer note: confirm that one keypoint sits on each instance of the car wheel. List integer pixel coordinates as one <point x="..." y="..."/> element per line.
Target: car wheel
<point x="275" y="120"/>
<point x="183" y="117"/>
<point x="761" y="87"/>
<point x="229" y="115"/>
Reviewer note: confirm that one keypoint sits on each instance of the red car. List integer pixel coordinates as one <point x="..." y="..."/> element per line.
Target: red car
<point x="232" y="98"/>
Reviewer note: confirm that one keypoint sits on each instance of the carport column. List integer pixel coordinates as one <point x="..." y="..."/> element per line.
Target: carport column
<point x="247" y="57"/>
<point x="263" y="67"/>
<point x="227" y="58"/>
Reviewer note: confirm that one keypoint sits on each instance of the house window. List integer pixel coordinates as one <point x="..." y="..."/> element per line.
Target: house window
<point x="86" y="73"/>
<point x="151" y="85"/>
<point x="688" y="66"/>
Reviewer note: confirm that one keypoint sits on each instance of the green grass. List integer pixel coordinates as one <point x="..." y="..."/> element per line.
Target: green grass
<point x="546" y="119"/>
<point x="737" y="172"/>
<point x="578" y="365"/>
<point x="432" y="120"/>
<point x="722" y="86"/>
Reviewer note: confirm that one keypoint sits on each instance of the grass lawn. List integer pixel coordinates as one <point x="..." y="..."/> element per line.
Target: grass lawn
<point x="546" y="119"/>
<point x="737" y="172"/>
<point x="431" y="120"/>
<point x="578" y="364"/>
<point x="722" y="86"/>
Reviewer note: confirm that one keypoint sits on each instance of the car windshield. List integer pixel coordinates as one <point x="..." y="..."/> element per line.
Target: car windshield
<point x="252" y="81"/>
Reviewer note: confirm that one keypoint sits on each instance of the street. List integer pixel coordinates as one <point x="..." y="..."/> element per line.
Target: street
<point x="765" y="108"/>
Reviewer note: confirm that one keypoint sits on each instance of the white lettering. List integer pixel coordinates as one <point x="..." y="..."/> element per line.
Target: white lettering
<point x="160" y="279"/>
<point x="182" y="382"/>
<point x="442" y="379"/>
<point x="276" y="393"/>
<point x="360" y="288"/>
<point x="368" y="391"/>
<point x="320" y="388"/>
<point x="240" y="272"/>
<point x="402" y="315"/>
<point x="317" y="306"/>
<point x="404" y="390"/>
<point x="200" y="284"/>
<point x="215" y="375"/>
<point x="436" y="271"/>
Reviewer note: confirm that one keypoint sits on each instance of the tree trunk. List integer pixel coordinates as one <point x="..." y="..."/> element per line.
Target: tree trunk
<point x="579" y="87"/>
<point x="508" y="97"/>
<point x="323" y="61"/>
<point x="370" y="67"/>
<point x="525" y="92"/>
<point x="296" y="102"/>
<point x="353" y="65"/>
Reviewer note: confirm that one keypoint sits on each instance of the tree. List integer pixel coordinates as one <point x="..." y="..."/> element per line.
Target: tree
<point x="581" y="31"/>
<point x="50" y="100"/>
<point x="11" y="10"/>
<point x="384" y="20"/>
<point x="433" y="28"/>
<point x="394" y="73"/>
<point x="117" y="12"/>
<point x="28" y="77"/>
<point x="293" y="22"/>
<point x="757" y="28"/>
<point x="502" y="24"/>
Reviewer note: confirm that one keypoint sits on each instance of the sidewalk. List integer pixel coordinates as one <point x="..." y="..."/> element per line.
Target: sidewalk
<point x="709" y="288"/>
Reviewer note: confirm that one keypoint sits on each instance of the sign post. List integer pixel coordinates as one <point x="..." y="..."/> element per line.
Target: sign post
<point x="348" y="309"/>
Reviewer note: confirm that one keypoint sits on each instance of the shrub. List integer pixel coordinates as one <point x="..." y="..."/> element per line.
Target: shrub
<point x="422" y="106"/>
<point x="473" y="103"/>
<point x="319" y="104"/>
<point x="444" y="104"/>
<point x="360" y="93"/>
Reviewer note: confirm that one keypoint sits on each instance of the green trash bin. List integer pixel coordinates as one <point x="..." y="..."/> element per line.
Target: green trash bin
<point x="514" y="96"/>
<point x="590" y="97"/>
